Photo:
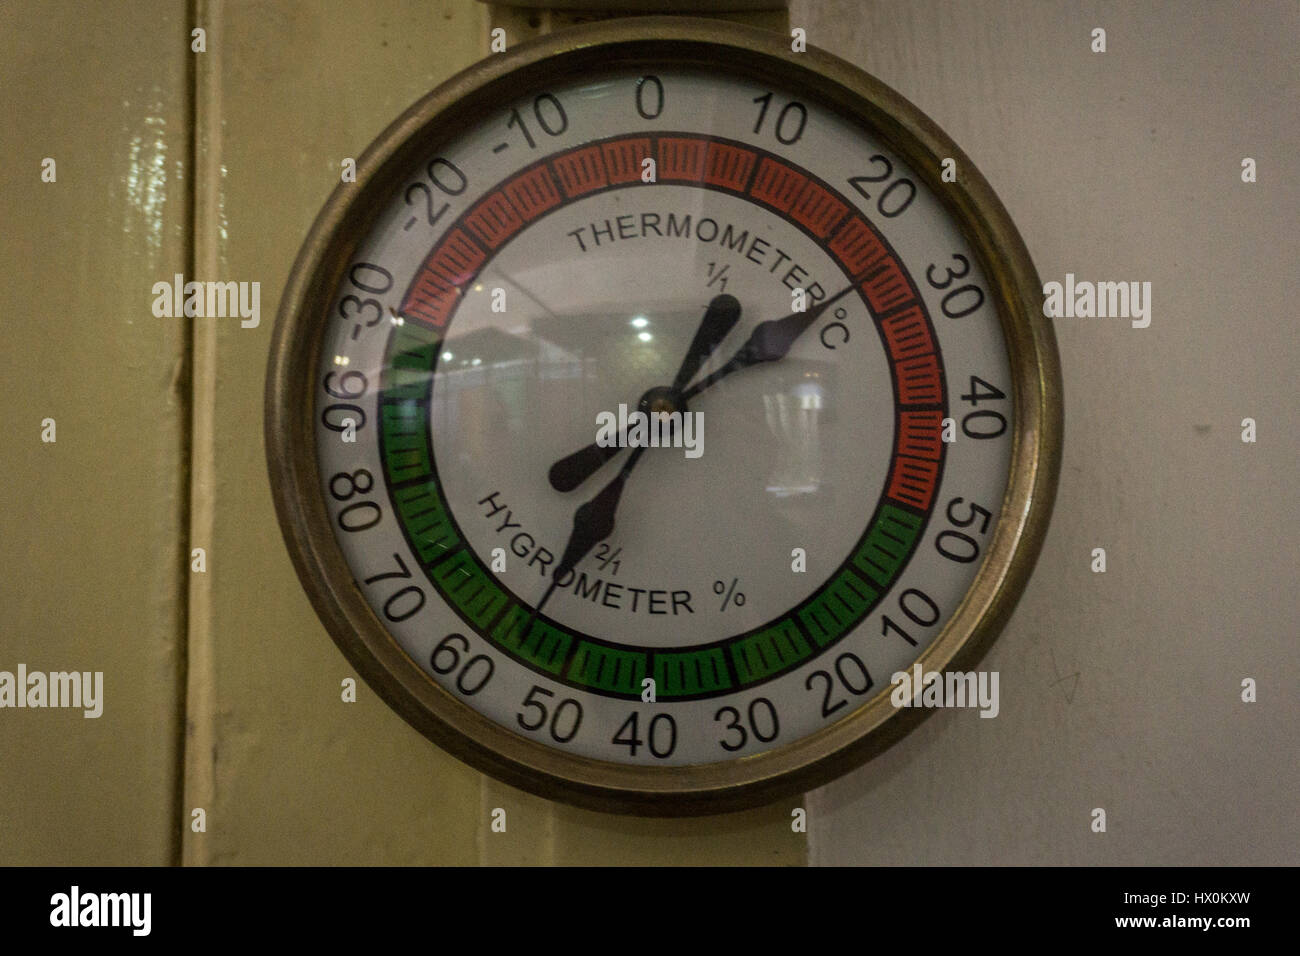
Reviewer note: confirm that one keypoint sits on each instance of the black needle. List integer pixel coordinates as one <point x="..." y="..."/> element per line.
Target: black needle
<point x="720" y="318"/>
<point x="769" y="341"/>
<point x="593" y="522"/>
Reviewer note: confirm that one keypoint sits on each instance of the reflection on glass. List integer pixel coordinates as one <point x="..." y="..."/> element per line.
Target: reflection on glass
<point x="793" y="415"/>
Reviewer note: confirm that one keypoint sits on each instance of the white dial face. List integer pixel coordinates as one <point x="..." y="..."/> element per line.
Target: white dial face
<point x="590" y="268"/>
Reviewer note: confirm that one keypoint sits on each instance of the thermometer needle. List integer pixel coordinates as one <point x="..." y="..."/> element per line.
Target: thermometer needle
<point x="770" y="341"/>
<point x="720" y="318"/>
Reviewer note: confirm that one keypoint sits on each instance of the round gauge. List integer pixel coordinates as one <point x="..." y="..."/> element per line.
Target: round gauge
<point x="653" y="396"/>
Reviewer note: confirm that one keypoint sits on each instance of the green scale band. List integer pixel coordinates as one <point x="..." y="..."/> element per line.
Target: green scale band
<point x="577" y="659"/>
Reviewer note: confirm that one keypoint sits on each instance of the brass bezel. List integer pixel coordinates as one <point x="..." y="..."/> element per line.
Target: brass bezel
<point x="289" y="420"/>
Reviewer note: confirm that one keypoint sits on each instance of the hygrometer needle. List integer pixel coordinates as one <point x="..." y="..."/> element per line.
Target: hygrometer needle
<point x="540" y="604"/>
<point x="720" y="318"/>
<point x="572" y="470"/>
<point x="593" y="522"/>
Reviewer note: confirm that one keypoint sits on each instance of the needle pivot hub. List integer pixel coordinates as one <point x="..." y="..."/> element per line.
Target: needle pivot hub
<point x="661" y="400"/>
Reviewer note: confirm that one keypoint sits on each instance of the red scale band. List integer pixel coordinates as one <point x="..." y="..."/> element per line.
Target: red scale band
<point x="681" y="158"/>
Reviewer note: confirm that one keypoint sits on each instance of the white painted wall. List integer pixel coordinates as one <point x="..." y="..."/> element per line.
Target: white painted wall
<point x="1122" y="166"/>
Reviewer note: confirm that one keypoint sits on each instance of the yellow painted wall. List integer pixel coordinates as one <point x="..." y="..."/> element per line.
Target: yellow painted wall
<point x="222" y="689"/>
<point x="91" y="526"/>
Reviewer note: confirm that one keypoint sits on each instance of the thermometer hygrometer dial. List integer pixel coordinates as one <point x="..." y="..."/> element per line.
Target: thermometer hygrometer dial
<point x="648" y="401"/>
